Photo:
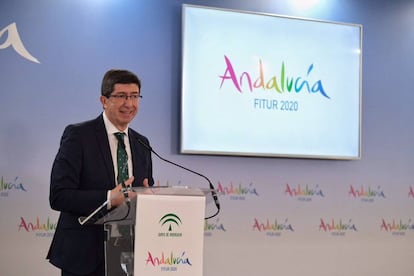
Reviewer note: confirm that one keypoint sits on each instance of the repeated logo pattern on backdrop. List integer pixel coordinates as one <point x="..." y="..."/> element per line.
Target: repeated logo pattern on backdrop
<point x="334" y="226"/>
<point x="236" y="192"/>
<point x="306" y="193"/>
<point x="397" y="226"/>
<point x="40" y="225"/>
<point x="7" y="187"/>
<point x="170" y="223"/>
<point x="366" y="194"/>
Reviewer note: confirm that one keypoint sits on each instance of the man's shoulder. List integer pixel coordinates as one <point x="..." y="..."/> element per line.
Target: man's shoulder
<point x="87" y="124"/>
<point x="85" y="128"/>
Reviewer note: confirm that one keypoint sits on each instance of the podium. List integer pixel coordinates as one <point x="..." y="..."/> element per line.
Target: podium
<point x="159" y="231"/>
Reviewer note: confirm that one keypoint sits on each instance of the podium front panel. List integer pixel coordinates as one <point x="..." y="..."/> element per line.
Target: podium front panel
<point x="169" y="235"/>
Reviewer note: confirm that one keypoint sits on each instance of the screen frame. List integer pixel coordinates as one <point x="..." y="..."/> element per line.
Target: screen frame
<point x="183" y="150"/>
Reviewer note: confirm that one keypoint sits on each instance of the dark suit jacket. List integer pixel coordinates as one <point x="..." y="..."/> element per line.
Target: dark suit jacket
<point x="82" y="173"/>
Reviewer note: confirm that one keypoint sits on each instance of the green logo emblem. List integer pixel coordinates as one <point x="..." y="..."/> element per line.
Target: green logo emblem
<point x="170" y="219"/>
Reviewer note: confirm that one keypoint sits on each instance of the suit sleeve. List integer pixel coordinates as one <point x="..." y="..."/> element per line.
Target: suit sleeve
<point x="70" y="190"/>
<point x="149" y="168"/>
<point x="142" y="161"/>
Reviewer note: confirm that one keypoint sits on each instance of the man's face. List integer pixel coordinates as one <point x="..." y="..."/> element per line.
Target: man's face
<point x="121" y="111"/>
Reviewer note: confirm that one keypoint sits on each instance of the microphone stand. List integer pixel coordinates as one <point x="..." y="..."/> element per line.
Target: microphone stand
<point x="213" y="190"/>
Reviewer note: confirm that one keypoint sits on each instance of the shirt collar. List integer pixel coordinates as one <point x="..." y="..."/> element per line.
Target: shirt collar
<point x="110" y="128"/>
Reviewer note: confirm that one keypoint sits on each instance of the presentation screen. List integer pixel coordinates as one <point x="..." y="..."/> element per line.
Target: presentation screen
<point x="257" y="84"/>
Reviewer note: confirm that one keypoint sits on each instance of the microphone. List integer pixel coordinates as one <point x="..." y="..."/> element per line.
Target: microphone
<point x="213" y="190"/>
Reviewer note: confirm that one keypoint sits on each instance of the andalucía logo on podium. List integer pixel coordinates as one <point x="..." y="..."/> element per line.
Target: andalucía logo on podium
<point x="170" y="222"/>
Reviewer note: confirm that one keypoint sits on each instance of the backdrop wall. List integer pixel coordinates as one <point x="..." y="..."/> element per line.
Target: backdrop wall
<point x="279" y="216"/>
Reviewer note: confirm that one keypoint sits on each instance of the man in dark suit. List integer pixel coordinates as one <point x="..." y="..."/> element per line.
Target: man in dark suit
<point x="85" y="170"/>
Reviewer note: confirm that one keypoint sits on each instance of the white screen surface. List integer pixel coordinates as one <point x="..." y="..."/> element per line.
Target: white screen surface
<point x="265" y="85"/>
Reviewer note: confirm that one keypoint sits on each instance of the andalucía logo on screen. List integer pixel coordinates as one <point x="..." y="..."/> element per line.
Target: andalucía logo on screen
<point x="278" y="82"/>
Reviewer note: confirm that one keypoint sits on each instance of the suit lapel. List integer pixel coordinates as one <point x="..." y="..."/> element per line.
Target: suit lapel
<point x="103" y="144"/>
<point x="133" y="151"/>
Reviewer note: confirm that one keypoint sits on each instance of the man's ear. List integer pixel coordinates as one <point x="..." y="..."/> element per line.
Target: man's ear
<point x="103" y="100"/>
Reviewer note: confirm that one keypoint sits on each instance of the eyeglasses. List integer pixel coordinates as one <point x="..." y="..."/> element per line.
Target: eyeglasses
<point x="124" y="97"/>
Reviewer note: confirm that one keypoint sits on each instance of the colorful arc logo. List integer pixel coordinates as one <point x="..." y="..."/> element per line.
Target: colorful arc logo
<point x="170" y="219"/>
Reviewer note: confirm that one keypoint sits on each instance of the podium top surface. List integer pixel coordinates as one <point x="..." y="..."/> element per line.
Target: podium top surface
<point x="122" y="212"/>
<point x="171" y="190"/>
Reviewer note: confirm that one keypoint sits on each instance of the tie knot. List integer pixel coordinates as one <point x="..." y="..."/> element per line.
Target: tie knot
<point x="119" y="136"/>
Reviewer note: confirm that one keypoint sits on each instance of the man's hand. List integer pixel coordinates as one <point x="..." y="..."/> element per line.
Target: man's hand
<point x="145" y="183"/>
<point x="117" y="197"/>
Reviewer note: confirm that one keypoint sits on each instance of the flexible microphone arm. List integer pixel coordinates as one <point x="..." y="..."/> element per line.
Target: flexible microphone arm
<point x="213" y="190"/>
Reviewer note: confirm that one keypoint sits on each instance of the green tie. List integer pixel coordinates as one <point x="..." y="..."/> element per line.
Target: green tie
<point x="122" y="158"/>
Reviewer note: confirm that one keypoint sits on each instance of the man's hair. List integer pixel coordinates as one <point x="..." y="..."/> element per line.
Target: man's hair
<point x="115" y="76"/>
